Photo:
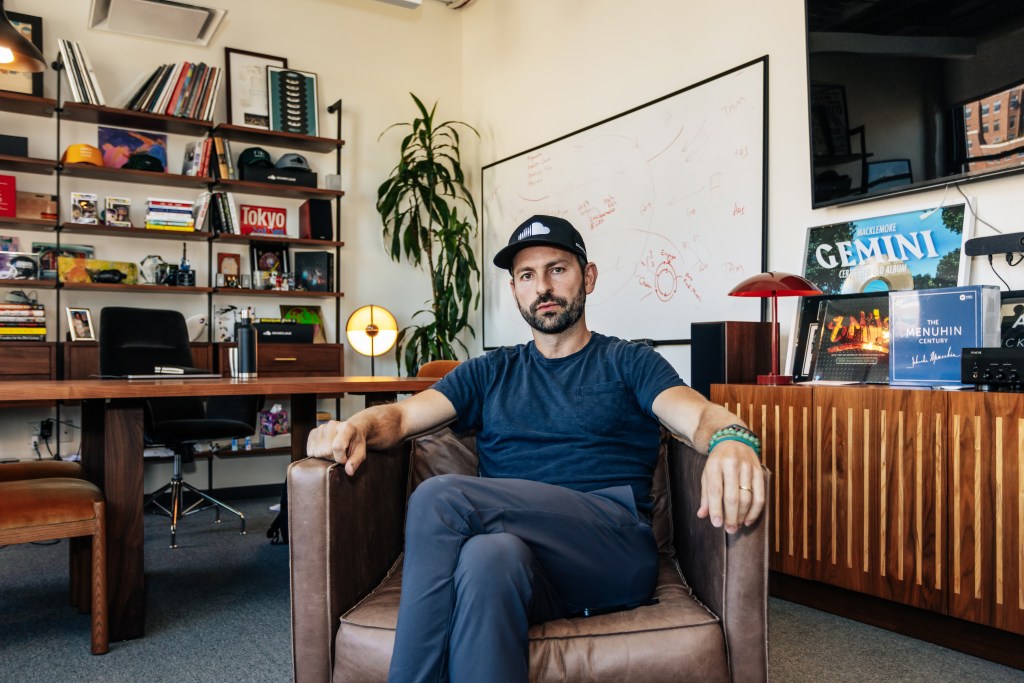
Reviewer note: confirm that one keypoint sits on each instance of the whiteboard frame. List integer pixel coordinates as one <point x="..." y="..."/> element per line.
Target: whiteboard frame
<point x="488" y="291"/>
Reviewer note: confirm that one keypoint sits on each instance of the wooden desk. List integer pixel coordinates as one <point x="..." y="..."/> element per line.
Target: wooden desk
<point x="112" y="445"/>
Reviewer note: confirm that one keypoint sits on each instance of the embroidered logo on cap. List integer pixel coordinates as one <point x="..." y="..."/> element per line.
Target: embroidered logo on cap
<point x="532" y="230"/>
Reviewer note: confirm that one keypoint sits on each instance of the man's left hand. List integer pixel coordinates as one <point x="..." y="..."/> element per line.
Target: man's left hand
<point x="731" y="486"/>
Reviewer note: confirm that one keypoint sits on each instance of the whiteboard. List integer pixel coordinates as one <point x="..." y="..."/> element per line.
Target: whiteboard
<point x="670" y="199"/>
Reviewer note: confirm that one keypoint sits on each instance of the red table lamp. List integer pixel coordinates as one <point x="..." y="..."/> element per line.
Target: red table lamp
<point x="774" y="285"/>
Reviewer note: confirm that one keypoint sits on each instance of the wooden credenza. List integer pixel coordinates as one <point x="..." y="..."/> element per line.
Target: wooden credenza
<point x="915" y="496"/>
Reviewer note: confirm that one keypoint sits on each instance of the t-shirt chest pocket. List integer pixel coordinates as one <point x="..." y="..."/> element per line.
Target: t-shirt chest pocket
<point x="600" y="408"/>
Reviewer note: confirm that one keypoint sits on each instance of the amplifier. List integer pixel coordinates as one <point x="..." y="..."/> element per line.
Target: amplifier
<point x="993" y="369"/>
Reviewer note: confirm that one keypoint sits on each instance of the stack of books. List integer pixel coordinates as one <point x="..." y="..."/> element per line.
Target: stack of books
<point x="187" y="90"/>
<point x="22" y="322"/>
<point x="170" y="214"/>
<point x="82" y="79"/>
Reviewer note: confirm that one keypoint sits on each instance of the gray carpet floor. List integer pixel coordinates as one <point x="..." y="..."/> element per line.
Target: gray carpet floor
<point x="218" y="610"/>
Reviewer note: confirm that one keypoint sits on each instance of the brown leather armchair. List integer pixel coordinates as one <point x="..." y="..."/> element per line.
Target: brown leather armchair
<point x="346" y="571"/>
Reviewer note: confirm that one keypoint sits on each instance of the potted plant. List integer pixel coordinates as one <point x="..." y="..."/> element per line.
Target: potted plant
<point x="419" y="204"/>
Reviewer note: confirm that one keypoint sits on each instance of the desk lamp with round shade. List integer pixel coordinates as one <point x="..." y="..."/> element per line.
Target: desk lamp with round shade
<point x="17" y="53"/>
<point x="774" y="285"/>
<point x="371" y="331"/>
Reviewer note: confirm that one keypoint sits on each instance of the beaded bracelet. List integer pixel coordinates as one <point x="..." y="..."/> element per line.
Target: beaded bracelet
<point x="736" y="432"/>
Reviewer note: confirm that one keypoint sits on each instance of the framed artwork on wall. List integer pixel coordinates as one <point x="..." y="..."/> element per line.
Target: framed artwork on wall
<point x="28" y="83"/>
<point x="293" y="101"/>
<point x="248" y="103"/>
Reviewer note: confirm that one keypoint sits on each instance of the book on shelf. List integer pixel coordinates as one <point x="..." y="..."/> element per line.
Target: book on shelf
<point x="8" y="196"/>
<point x="184" y="89"/>
<point x="81" y="77"/>
<point x="929" y="329"/>
<point x="10" y="306"/>
<point x="202" y="210"/>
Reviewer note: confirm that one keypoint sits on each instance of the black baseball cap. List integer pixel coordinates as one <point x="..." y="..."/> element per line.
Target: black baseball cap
<point x="255" y="157"/>
<point x="541" y="230"/>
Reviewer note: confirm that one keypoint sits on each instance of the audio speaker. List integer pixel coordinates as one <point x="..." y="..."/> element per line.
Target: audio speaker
<point x="315" y="220"/>
<point x="730" y="352"/>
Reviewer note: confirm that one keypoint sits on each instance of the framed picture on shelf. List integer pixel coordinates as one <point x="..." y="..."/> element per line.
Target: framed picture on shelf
<point x="307" y="315"/>
<point x="24" y="82"/>
<point x="18" y="266"/>
<point x="1011" y="317"/>
<point x="293" y="101"/>
<point x="49" y="252"/>
<point x="229" y="264"/>
<point x="117" y="145"/>
<point x="269" y="258"/>
<point x="314" y="271"/>
<point x="248" y="103"/>
<point x="853" y="349"/>
<point x="80" y="324"/>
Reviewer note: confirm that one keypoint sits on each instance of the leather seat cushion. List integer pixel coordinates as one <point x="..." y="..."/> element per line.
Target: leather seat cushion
<point x="37" y="502"/>
<point x="671" y="640"/>
<point x="40" y="469"/>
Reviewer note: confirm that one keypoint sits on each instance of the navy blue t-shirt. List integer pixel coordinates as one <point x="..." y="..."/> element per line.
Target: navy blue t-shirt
<point x="584" y="421"/>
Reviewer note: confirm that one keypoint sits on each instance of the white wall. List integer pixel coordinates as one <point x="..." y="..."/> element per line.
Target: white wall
<point x="534" y="70"/>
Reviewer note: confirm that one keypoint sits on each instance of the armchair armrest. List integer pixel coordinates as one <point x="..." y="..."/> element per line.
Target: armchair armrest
<point x="728" y="573"/>
<point x="344" y="534"/>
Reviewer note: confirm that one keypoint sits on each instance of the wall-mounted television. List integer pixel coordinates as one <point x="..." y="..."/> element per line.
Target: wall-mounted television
<point x="910" y="94"/>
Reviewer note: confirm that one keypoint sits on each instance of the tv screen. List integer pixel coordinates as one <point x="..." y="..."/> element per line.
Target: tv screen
<point x="909" y="94"/>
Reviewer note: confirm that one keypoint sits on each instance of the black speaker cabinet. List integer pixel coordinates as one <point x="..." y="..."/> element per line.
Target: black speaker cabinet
<point x="315" y="220"/>
<point x="730" y="352"/>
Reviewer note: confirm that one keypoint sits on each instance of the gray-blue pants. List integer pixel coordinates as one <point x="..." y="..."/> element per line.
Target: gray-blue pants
<point x="485" y="558"/>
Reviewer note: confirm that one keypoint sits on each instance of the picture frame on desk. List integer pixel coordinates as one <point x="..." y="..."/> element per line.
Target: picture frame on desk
<point x="248" y="103"/>
<point x="80" y="325"/>
<point x="23" y="82"/>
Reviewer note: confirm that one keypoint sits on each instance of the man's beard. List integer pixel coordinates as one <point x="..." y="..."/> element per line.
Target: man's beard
<point x="571" y="312"/>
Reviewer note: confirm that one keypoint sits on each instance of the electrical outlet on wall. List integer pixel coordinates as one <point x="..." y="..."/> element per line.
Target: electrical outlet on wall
<point x="67" y="431"/>
<point x="33" y="428"/>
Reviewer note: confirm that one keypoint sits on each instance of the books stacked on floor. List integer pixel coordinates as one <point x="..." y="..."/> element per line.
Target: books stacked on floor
<point x="170" y="214"/>
<point x="82" y="79"/>
<point x="186" y="89"/>
<point x="22" y="322"/>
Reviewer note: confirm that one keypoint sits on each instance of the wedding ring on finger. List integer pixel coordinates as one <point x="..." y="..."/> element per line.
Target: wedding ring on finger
<point x="746" y="488"/>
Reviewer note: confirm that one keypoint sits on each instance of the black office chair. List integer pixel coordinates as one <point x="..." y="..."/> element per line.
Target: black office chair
<point x="134" y="341"/>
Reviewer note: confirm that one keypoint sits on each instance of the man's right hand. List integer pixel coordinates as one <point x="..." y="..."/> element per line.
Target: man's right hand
<point x="342" y="441"/>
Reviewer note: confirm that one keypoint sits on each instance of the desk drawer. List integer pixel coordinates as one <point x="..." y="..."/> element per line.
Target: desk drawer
<point x="28" y="360"/>
<point x="300" y="360"/>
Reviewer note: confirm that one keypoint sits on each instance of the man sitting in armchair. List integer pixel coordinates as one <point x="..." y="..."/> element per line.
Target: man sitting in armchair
<point x="558" y="523"/>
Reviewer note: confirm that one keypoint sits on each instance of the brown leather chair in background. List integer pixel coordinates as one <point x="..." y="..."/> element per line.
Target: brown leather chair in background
<point x="436" y="368"/>
<point x="346" y="567"/>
